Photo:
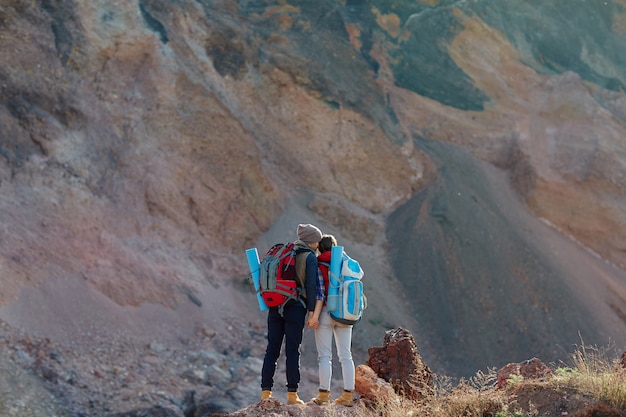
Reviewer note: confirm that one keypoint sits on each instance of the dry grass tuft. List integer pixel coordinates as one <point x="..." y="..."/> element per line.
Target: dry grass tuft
<point x="597" y="375"/>
<point x="592" y="382"/>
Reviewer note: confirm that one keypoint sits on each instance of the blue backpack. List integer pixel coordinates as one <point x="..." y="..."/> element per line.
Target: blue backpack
<point x="346" y="300"/>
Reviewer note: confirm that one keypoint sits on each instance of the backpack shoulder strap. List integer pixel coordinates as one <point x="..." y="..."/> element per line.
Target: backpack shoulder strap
<point x="301" y="254"/>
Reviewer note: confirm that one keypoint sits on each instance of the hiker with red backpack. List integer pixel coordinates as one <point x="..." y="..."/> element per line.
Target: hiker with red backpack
<point x="286" y="321"/>
<point x="325" y="328"/>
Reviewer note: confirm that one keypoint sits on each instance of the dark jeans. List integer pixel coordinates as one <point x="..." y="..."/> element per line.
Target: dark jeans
<point x="288" y="327"/>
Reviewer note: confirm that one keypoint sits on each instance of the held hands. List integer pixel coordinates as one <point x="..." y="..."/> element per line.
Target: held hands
<point x="313" y="322"/>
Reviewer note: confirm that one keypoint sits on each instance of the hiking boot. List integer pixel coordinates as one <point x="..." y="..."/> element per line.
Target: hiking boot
<point x="345" y="399"/>
<point x="265" y="394"/>
<point x="323" y="398"/>
<point x="292" y="398"/>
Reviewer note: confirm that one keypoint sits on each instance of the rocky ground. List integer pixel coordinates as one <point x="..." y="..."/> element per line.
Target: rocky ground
<point x="43" y="379"/>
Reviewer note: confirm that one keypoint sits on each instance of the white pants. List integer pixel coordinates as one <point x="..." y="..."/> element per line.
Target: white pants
<point x="324" y="341"/>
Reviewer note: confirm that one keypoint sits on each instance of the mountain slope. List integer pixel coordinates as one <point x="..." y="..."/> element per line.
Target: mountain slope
<point x="459" y="149"/>
<point x="492" y="284"/>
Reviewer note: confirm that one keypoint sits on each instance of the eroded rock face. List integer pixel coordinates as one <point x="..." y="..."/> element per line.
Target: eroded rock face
<point x="557" y="133"/>
<point x="399" y="363"/>
<point x="154" y="140"/>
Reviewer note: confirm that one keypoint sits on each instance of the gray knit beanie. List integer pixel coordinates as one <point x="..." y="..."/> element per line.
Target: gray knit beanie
<point x="309" y="233"/>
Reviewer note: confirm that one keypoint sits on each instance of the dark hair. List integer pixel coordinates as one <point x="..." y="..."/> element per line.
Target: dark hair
<point x="327" y="242"/>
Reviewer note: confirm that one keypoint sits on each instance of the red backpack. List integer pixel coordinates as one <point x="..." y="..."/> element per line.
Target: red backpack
<point x="278" y="278"/>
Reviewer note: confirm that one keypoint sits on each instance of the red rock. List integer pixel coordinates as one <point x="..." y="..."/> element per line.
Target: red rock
<point x="530" y="369"/>
<point x="372" y="388"/>
<point x="399" y="363"/>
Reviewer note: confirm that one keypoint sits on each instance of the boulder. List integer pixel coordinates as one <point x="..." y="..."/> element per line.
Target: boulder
<point x="529" y="369"/>
<point x="399" y="363"/>
<point x="372" y="388"/>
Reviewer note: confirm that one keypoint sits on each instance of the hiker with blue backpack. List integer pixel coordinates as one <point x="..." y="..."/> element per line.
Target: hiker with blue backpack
<point x="328" y="322"/>
<point x="288" y="299"/>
